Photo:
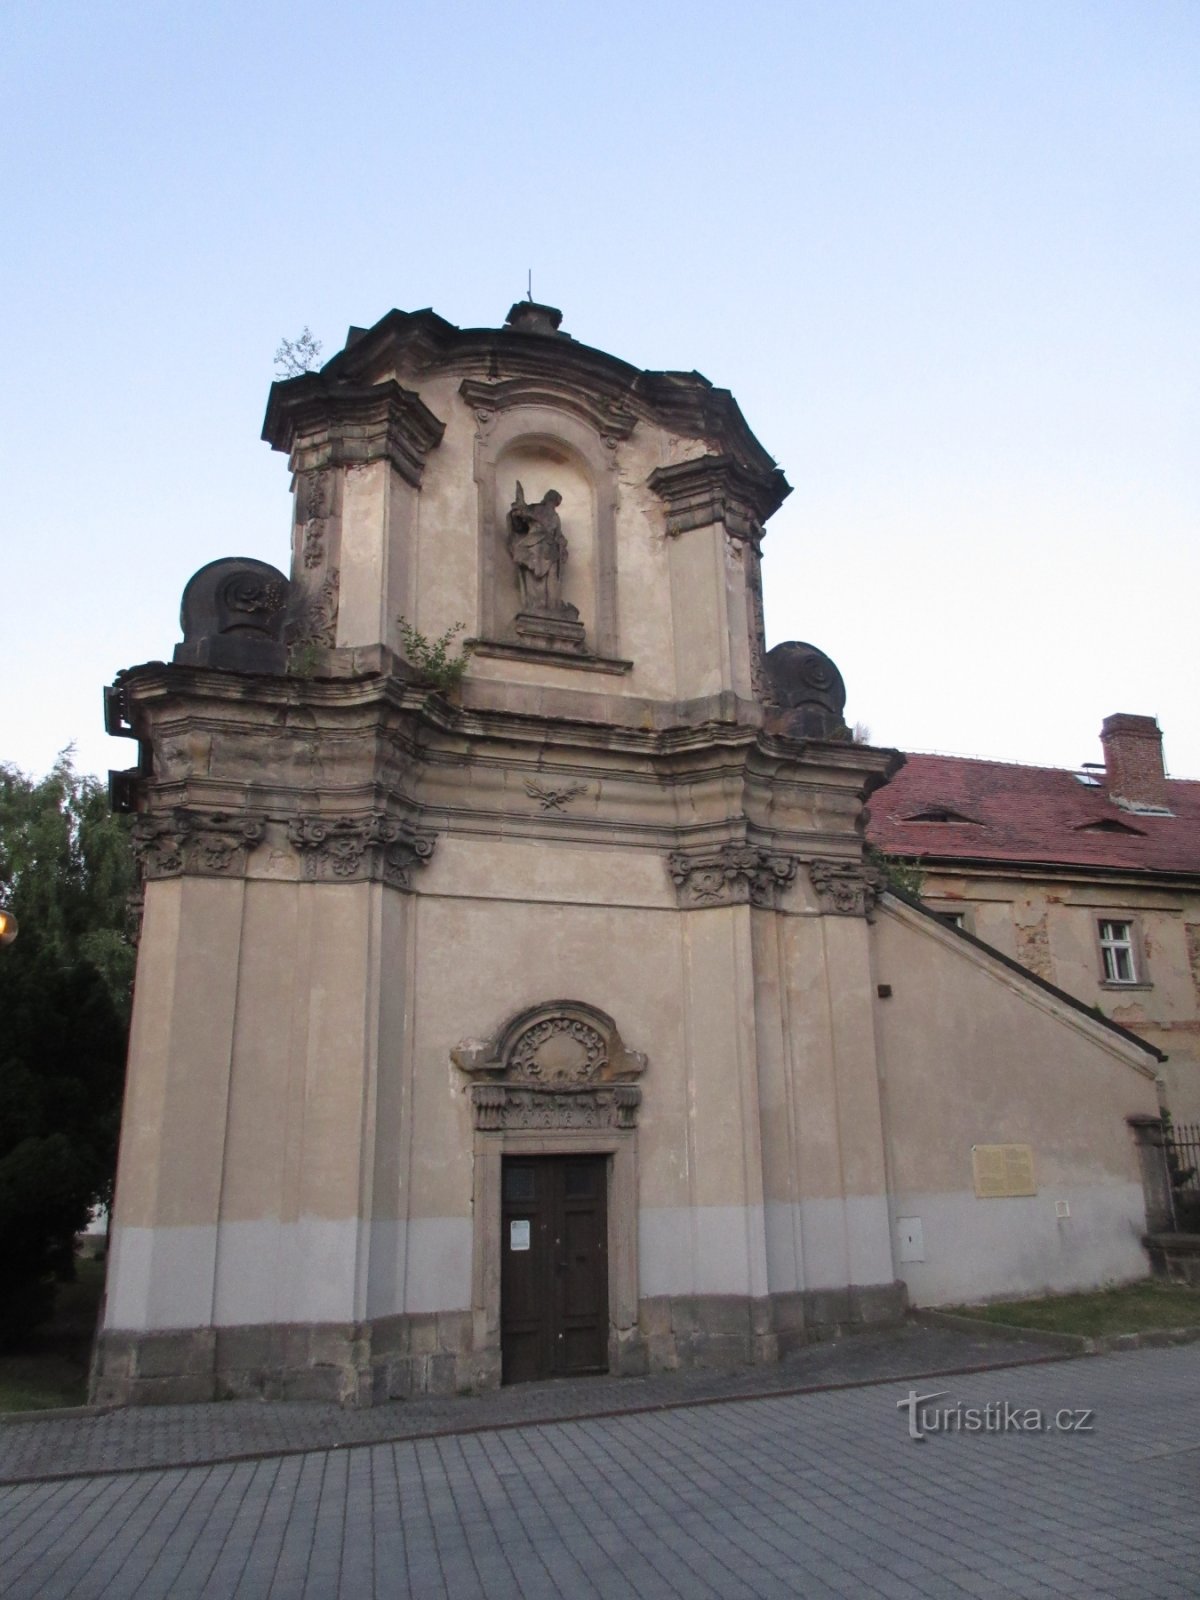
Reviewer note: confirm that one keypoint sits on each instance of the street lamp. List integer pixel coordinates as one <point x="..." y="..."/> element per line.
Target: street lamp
<point x="8" y="926"/>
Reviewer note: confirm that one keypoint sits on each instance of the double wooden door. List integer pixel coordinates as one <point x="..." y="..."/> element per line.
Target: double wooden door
<point x="554" y="1267"/>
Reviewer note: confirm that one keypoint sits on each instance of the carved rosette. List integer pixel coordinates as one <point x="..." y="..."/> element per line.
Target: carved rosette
<point x="561" y="1065"/>
<point x="207" y="844"/>
<point x="731" y="875"/>
<point x="844" y="888"/>
<point x="352" y="849"/>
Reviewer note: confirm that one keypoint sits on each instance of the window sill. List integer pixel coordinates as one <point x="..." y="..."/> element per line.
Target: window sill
<point x="1113" y="983"/>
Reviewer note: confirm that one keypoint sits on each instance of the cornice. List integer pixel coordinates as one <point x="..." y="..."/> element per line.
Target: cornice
<point x="322" y="424"/>
<point x="156" y="697"/>
<point x="719" y="489"/>
<point x="1054" y="871"/>
<point x="420" y="343"/>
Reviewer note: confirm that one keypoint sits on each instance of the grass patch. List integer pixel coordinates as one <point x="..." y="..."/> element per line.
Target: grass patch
<point x="1133" y="1308"/>
<point x="51" y="1367"/>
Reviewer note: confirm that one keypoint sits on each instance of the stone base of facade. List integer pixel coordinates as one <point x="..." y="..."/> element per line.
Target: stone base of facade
<point x="1175" y="1256"/>
<point x="395" y="1358"/>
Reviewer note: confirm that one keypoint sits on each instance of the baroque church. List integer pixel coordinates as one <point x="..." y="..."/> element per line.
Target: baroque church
<point x="540" y="1011"/>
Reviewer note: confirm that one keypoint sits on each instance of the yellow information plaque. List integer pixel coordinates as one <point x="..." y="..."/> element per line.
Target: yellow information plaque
<point x="1003" y="1170"/>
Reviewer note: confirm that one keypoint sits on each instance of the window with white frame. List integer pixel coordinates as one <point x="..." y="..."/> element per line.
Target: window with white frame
<point x="1116" y="952"/>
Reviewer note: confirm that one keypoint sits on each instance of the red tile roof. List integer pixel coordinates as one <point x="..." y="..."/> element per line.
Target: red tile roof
<point x="1033" y="814"/>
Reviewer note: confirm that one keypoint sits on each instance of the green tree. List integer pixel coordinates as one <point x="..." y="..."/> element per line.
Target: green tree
<point x="66" y="870"/>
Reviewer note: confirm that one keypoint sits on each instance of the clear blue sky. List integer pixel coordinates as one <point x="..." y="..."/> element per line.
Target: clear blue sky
<point x="944" y="254"/>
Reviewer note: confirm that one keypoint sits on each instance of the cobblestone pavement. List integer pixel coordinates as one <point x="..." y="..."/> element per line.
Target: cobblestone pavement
<point x="150" y="1436"/>
<point x="814" y="1495"/>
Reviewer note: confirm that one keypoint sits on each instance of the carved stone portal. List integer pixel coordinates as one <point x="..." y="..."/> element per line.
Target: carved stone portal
<point x="560" y="1065"/>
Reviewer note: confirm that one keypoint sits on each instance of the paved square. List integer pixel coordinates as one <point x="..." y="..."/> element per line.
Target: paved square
<point x="811" y="1495"/>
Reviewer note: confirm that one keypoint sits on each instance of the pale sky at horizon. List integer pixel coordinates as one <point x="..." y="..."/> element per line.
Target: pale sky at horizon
<point x="944" y="255"/>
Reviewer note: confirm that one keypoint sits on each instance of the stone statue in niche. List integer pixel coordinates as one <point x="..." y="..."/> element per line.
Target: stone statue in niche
<point x="538" y="548"/>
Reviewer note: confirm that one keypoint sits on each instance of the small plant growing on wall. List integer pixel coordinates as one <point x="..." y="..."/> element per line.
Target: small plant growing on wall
<point x="432" y="657"/>
<point x="906" y="876"/>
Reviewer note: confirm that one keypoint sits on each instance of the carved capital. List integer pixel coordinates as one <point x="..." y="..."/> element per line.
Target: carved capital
<point x="731" y="875"/>
<point x="353" y="849"/>
<point x="844" y="888"/>
<point x="207" y="844"/>
<point x="719" y="489"/>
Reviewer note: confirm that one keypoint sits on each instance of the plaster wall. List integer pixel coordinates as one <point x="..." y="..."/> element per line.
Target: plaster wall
<point x="1051" y="926"/>
<point x="337" y="1130"/>
<point x="970" y="1055"/>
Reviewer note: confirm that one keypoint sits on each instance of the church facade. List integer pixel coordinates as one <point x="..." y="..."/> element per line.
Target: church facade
<point x="546" y="1017"/>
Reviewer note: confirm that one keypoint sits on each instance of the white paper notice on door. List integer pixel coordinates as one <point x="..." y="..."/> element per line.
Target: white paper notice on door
<point x="518" y="1235"/>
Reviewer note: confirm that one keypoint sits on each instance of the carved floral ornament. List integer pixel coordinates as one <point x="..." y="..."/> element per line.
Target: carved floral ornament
<point x="559" y="1065"/>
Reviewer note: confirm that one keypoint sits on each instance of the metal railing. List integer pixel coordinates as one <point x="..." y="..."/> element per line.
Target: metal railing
<point x="1181" y="1142"/>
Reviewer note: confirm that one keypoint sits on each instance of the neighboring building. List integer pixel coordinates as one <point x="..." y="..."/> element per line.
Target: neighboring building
<point x="1089" y="878"/>
<point x="550" y="1021"/>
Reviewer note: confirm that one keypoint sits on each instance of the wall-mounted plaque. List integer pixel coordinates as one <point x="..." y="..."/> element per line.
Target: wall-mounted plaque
<point x="518" y="1234"/>
<point x="1003" y="1170"/>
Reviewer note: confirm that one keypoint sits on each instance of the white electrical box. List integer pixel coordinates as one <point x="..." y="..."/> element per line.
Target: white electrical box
<point x="911" y="1237"/>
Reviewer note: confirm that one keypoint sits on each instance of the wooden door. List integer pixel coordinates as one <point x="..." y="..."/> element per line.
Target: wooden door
<point x="554" y="1267"/>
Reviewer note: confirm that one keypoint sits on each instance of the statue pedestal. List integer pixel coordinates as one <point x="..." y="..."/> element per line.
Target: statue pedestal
<point x="553" y="630"/>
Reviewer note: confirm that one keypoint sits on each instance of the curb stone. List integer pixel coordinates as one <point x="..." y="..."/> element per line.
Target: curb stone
<point x="1078" y="1343"/>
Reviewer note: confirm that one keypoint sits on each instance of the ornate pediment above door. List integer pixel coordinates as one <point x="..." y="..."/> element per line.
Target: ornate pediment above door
<point x="558" y="1065"/>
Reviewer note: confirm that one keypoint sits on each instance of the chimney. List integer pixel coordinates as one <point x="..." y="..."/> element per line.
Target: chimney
<point x="1133" y="760"/>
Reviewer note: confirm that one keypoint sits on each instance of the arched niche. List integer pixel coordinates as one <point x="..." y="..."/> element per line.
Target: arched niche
<point x="544" y="447"/>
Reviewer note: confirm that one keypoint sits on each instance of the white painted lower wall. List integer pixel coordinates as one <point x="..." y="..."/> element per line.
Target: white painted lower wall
<point x="828" y="1244"/>
<point x="995" y="1249"/>
<point x="701" y="1250"/>
<point x="240" y="1274"/>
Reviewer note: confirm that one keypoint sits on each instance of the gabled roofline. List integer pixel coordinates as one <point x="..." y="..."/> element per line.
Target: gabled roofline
<point x="1044" y="984"/>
